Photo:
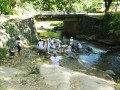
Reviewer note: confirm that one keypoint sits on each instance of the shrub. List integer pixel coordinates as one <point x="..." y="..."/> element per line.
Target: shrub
<point x="111" y="22"/>
<point x="3" y="53"/>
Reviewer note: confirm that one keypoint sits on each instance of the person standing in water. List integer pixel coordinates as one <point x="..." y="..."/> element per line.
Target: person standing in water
<point x="79" y="47"/>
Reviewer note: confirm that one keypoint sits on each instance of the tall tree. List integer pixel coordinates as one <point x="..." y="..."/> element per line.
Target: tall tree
<point x="107" y="4"/>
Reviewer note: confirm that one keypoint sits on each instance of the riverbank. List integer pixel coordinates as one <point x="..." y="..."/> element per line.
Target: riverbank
<point x="107" y="41"/>
<point x="30" y="78"/>
<point x="27" y="63"/>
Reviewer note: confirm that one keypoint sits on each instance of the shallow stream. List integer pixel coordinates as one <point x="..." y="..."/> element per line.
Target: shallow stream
<point x="100" y="57"/>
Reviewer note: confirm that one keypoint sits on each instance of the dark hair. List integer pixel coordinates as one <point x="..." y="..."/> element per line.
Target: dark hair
<point x="43" y="42"/>
<point x="40" y="40"/>
<point x="18" y="38"/>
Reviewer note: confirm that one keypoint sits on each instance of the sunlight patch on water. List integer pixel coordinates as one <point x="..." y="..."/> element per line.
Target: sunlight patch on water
<point x="98" y="50"/>
<point x="88" y="60"/>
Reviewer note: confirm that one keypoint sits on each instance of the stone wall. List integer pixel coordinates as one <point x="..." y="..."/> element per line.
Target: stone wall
<point x="87" y="25"/>
<point x="11" y="29"/>
<point x="83" y="26"/>
<point x="70" y="28"/>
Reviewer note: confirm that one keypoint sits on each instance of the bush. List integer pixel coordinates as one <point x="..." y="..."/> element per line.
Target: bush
<point x="111" y="22"/>
<point x="3" y="53"/>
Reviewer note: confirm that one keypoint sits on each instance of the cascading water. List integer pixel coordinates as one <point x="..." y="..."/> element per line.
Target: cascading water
<point x="100" y="57"/>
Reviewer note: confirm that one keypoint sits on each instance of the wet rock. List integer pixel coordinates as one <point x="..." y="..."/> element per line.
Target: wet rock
<point x="110" y="72"/>
<point x="107" y="42"/>
<point x="92" y="37"/>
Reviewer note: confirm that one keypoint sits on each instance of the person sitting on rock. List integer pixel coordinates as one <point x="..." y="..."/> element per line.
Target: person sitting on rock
<point x="55" y="60"/>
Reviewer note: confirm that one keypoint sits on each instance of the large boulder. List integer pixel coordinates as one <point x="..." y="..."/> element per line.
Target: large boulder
<point x="110" y="72"/>
<point x="60" y="78"/>
<point x="92" y="37"/>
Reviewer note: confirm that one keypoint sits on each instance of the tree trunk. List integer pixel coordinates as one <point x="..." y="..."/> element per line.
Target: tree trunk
<point x="107" y="4"/>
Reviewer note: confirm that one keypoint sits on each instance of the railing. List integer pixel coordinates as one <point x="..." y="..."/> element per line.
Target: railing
<point x="66" y="13"/>
<point x="60" y="12"/>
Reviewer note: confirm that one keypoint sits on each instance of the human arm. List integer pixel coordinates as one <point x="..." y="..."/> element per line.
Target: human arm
<point x="50" y="62"/>
<point x="60" y="63"/>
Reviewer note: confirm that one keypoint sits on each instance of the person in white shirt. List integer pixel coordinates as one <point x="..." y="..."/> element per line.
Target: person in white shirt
<point x="69" y="49"/>
<point x="53" y="46"/>
<point x="41" y="46"/>
<point x="51" y="41"/>
<point x="55" y="60"/>
<point x="71" y="41"/>
<point x="58" y="45"/>
<point x="79" y="46"/>
<point x="19" y="45"/>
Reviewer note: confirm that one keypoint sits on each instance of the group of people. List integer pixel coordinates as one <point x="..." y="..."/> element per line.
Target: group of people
<point x="48" y="44"/>
<point x="72" y="47"/>
<point x="53" y="46"/>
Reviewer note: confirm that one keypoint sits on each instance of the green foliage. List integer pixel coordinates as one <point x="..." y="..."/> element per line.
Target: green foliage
<point x="111" y="22"/>
<point x="7" y="6"/>
<point x="56" y="24"/>
<point x="10" y="29"/>
<point x="2" y="87"/>
<point x="3" y="53"/>
<point x="62" y="5"/>
<point x="51" y="34"/>
<point x="118" y="86"/>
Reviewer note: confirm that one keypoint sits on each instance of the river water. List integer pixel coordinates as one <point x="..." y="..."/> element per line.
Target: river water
<point x="100" y="57"/>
